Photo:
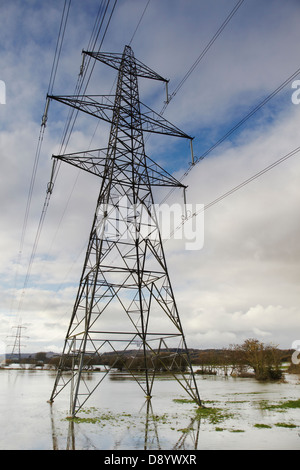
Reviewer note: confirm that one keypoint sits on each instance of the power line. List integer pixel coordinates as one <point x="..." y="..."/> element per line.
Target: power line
<point x="84" y="68"/>
<point x="35" y="245"/>
<point x="61" y="33"/>
<point x="237" y="126"/>
<point x="54" y="168"/>
<point x="80" y="83"/>
<point x="245" y="118"/>
<point x="252" y="178"/>
<point x="253" y="111"/>
<point x="205" y="50"/>
<point x="189" y="72"/>
<point x="236" y="188"/>
<point x="72" y="115"/>
<point x="140" y="20"/>
<point x="60" y="40"/>
<point x="216" y="35"/>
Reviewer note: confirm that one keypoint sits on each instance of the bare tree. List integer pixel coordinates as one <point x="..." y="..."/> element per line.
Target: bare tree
<point x="264" y="359"/>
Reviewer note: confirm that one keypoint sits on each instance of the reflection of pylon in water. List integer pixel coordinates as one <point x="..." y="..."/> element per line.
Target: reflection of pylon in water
<point x="190" y="434"/>
<point x="125" y="302"/>
<point x="150" y="440"/>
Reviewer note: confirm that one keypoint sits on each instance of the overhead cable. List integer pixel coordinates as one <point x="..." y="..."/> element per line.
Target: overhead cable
<point x="60" y="40"/>
<point x="72" y="114"/>
<point x="189" y="72"/>
<point x="41" y="135"/>
<point x="236" y="188"/>
<point x="140" y="20"/>
<point x="253" y="111"/>
<point x="205" y="50"/>
<point x="58" y="48"/>
<point x="54" y="168"/>
<point x="236" y="126"/>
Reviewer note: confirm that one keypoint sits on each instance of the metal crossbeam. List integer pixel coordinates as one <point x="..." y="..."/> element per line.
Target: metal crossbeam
<point x="102" y="107"/>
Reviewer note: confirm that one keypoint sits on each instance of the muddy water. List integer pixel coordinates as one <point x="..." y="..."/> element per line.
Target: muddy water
<point x="118" y="417"/>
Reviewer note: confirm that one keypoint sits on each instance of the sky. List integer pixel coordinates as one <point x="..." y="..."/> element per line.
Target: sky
<point x="243" y="280"/>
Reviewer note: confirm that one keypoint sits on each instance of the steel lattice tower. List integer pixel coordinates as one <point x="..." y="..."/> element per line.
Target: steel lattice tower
<point x="125" y="303"/>
<point x="16" y="347"/>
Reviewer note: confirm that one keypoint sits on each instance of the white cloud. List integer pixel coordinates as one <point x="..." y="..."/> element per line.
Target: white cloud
<point x="245" y="279"/>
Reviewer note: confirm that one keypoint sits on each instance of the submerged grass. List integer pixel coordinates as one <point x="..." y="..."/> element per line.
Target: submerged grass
<point x="102" y="418"/>
<point x="213" y="415"/>
<point x="262" y="426"/>
<point x="114" y="419"/>
<point x="286" y="425"/>
<point x="281" y="406"/>
<point x="217" y="415"/>
<point x="279" y="425"/>
<point x="209" y="413"/>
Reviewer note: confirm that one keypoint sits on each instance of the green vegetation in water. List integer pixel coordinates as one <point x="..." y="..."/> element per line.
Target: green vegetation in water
<point x="113" y="419"/>
<point x="230" y="430"/>
<point x="157" y="418"/>
<point x="285" y="425"/>
<point x="211" y="414"/>
<point x="102" y="418"/>
<point x="183" y="400"/>
<point x="262" y="426"/>
<point x="282" y="406"/>
<point x="280" y="425"/>
<point x="184" y="430"/>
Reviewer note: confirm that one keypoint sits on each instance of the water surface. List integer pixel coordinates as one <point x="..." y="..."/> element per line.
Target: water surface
<point x="118" y="417"/>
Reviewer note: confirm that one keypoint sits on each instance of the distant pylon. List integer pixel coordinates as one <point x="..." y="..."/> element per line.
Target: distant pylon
<point x="16" y="346"/>
<point x="125" y="303"/>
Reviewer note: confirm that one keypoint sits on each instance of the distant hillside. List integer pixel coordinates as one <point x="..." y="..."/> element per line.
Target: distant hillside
<point x="11" y="357"/>
<point x="198" y="356"/>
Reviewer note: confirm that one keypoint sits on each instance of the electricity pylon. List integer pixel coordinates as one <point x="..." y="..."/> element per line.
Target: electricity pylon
<point x="125" y="303"/>
<point x="16" y="347"/>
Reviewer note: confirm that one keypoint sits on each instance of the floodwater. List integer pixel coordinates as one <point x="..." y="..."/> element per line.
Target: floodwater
<point x="117" y="417"/>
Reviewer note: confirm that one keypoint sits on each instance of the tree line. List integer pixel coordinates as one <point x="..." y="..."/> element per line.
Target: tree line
<point x="252" y="358"/>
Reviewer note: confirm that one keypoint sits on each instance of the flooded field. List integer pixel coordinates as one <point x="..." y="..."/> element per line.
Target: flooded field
<point x="240" y="414"/>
